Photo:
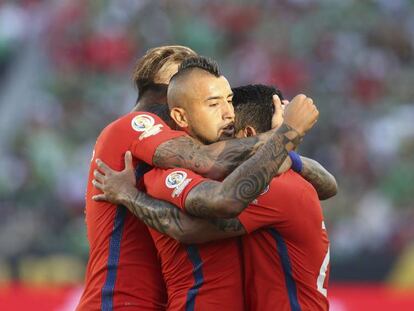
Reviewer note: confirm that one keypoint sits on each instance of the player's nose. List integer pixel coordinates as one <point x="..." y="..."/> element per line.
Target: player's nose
<point x="228" y="111"/>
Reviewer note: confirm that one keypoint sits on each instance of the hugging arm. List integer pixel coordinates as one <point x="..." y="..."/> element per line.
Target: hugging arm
<point x="214" y="161"/>
<point x="323" y="181"/>
<point x="170" y="220"/>
<point x="227" y="199"/>
<point x="119" y="188"/>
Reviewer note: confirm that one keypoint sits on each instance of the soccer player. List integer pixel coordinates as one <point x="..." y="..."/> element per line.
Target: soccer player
<point x="123" y="270"/>
<point x="290" y="272"/>
<point x="208" y="277"/>
<point x="287" y="261"/>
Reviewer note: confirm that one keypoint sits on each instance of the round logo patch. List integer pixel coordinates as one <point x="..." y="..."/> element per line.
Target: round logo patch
<point x="174" y="179"/>
<point x="142" y="123"/>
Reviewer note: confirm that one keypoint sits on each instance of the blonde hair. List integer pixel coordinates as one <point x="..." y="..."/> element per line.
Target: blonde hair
<point x="148" y="66"/>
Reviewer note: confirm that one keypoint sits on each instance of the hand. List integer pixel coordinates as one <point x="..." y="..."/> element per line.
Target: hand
<point x="117" y="187"/>
<point x="301" y="114"/>
<point x="277" y="118"/>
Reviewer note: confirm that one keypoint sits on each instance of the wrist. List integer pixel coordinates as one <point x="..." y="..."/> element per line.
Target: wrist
<point x="127" y="195"/>
<point x="297" y="164"/>
<point x="291" y="137"/>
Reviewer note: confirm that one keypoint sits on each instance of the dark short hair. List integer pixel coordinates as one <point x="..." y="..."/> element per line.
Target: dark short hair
<point x="198" y="62"/>
<point x="253" y="106"/>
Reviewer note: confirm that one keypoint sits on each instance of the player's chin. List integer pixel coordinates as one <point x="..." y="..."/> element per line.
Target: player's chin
<point x="225" y="137"/>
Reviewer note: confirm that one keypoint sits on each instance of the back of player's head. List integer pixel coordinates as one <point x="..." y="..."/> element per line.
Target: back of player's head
<point x="189" y="72"/>
<point x="253" y="106"/>
<point x="152" y="68"/>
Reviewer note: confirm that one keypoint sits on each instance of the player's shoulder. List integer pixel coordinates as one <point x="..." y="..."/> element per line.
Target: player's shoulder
<point x="139" y="121"/>
<point x="284" y="184"/>
<point x="282" y="190"/>
<point x="133" y="123"/>
<point x="302" y="185"/>
<point x="294" y="180"/>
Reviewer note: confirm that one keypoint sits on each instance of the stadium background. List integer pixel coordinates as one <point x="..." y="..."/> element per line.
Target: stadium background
<point x="65" y="72"/>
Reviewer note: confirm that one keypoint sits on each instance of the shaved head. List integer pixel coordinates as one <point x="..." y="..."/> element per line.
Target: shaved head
<point x="185" y="89"/>
<point x="185" y="84"/>
<point x="199" y="98"/>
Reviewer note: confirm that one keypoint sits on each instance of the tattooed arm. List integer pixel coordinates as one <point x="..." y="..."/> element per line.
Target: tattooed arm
<point x="119" y="188"/>
<point x="323" y="181"/>
<point x="170" y="220"/>
<point x="227" y="199"/>
<point x="214" y="161"/>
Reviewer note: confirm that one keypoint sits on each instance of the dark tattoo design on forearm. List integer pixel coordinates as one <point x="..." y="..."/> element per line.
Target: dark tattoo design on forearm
<point x="215" y="161"/>
<point x="198" y="200"/>
<point x="248" y="180"/>
<point x="323" y="182"/>
<point x="181" y="152"/>
<point x="255" y="174"/>
<point x="159" y="215"/>
<point x="166" y="218"/>
<point x="227" y="225"/>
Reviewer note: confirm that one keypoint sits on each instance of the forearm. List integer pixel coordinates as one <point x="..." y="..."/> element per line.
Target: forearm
<point x="228" y="198"/>
<point x="170" y="220"/>
<point x="323" y="182"/>
<point x="214" y="161"/>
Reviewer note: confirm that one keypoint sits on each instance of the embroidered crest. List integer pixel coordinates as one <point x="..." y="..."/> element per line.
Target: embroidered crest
<point x="178" y="181"/>
<point x="145" y="124"/>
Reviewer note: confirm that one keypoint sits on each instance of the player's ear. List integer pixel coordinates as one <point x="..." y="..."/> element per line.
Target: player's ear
<point x="179" y="116"/>
<point x="249" y="131"/>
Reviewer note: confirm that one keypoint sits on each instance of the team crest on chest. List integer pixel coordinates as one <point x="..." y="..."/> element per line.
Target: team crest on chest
<point x="178" y="181"/>
<point x="145" y="124"/>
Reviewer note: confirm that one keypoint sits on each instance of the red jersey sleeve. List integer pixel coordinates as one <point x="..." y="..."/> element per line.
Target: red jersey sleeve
<point x="171" y="185"/>
<point x="150" y="132"/>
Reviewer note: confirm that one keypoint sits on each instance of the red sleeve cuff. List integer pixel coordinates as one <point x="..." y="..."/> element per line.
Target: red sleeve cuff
<point x="171" y="185"/>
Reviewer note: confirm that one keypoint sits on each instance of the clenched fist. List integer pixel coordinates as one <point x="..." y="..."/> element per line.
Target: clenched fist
<point x="301" y="114"/>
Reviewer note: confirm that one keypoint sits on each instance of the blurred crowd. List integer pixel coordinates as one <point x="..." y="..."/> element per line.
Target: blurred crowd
<point x="65" y="73"/>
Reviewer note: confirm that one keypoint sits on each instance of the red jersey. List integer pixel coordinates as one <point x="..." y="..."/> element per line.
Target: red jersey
<point x="205" y="277"/>
<point x="287" y="260"/>
<point x="123" y="271"/>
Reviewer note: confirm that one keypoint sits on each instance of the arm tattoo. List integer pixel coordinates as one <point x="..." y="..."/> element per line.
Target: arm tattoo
<point x="246" y="182"/>
<point x="323" y="182"/>
<point x="227" y="225"/>
<point x="159" y="215"/>
<point x="166" y="218"/>
<point x="250" y="179"/>
<point x="183" y="152"/>
<point x="215" y="161"/>
<point x="198" y="199"/>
